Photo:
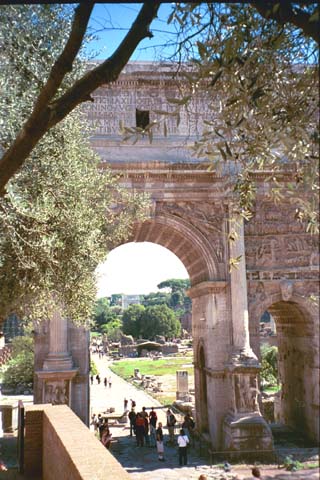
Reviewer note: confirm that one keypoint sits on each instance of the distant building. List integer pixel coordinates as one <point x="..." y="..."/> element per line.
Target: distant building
<point x="130" y="300"/>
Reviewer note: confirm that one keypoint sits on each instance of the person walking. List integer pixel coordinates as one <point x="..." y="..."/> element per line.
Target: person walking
<point x="132" y="418"/>
<point x="160" y="446"/>
<point x="110" y="382"/>
<point x="183" y="441"/>
<point x="105" y="381"/>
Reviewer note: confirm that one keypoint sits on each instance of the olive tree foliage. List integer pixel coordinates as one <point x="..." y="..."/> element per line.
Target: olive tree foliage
<point x="255" y="67"/>
<point x="57" y="218"/>
<point x="52" y="103"/>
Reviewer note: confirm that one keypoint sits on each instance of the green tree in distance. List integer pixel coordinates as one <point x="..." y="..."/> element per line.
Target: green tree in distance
<point x="159" y="320"/>
<point x="131" y="320"/>
<point x="18" y="372"/>
<point x="104" y="313"/>
<point x="179" y="301"/>
<point x="147" y="322"/>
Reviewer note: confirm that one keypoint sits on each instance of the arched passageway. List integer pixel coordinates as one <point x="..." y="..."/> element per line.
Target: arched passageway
<point x="295" y="402"/>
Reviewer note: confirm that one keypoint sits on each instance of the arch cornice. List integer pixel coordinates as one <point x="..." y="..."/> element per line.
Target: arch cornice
<point x="204" y="288"/>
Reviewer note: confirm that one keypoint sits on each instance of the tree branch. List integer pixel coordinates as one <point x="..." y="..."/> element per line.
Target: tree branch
<point x="110" y="69"/>
<point x="46" y="115"/>
<point x="286" y="14"/>
<point x="64" y="63"/>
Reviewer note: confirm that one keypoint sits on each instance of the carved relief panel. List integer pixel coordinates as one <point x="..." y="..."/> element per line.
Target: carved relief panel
<point x="56" y="392"/>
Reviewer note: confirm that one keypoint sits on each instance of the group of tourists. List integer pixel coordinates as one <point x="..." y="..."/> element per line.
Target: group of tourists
<point x="149" y="432"/>
<point x="101" y="424"/>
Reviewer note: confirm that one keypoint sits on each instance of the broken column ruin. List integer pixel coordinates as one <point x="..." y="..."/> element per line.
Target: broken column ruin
<point x="182" y="392"/>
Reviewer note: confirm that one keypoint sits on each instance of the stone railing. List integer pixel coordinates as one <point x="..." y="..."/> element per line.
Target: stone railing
<point x="58" y="445"/>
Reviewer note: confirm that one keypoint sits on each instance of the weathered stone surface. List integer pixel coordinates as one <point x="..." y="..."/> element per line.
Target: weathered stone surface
<point x="190" y="215"/>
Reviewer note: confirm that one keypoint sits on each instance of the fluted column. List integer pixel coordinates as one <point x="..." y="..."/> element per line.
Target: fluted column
<point x="239" y="296"/>
<point x="58" y="357"/>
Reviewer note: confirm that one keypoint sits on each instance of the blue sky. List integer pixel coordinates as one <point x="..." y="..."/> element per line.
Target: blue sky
<point x="110" y="22"/>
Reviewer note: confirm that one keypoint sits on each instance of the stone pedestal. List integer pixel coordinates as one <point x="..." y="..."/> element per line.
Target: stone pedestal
<point x="246" y="435"/>
<point x="245" y="429"/>
<point x="57" y="372"/>
<point x="182" y="392"/>
<point x="8" y="417"/>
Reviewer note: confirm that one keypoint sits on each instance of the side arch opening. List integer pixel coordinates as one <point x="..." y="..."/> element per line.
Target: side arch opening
<point x="287" y="341"/>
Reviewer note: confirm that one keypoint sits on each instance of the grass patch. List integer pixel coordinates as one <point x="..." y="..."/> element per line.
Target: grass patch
<point x="166" y="400"/>
<point x="272" y="389"/>
<point x="159" y="367"/>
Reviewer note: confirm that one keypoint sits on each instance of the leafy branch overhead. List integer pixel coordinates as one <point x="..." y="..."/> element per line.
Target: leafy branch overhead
<point x="57" y="219"/>
<point x="51" y="105"/>
<point x="257" y="76"/>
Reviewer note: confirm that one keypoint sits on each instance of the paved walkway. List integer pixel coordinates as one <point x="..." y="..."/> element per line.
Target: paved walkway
<point x="142" y="462"/>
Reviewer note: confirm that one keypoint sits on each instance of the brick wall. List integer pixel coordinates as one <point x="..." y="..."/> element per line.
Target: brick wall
<point x="61" y="446"/>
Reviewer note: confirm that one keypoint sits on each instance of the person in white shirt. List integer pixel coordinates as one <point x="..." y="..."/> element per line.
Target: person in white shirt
<point x="183" y="441"/>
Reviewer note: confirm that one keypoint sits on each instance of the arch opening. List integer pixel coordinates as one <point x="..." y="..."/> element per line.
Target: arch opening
<point x="286" y="335"/>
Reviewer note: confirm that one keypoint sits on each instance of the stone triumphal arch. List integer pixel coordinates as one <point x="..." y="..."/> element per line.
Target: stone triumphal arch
<point x="192" y="215"/>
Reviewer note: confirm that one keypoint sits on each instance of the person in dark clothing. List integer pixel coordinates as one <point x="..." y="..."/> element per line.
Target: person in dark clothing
<point x="188" y="426"/>
<point x="140" y="429"/>
<point x="153" y="425"/>
<point x="132" y="418"/>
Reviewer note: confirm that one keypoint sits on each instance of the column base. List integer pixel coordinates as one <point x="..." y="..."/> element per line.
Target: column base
<point x="57" y="361"/>
<point x="247" y="435"/>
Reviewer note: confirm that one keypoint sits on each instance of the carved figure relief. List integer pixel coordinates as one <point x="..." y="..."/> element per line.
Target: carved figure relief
<point x="56" y="393"/>
<point x="207" y="217"/>
<point x="286" y="287"/>
<point x="260" y="292"/>
<point x="246" y="393"/>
